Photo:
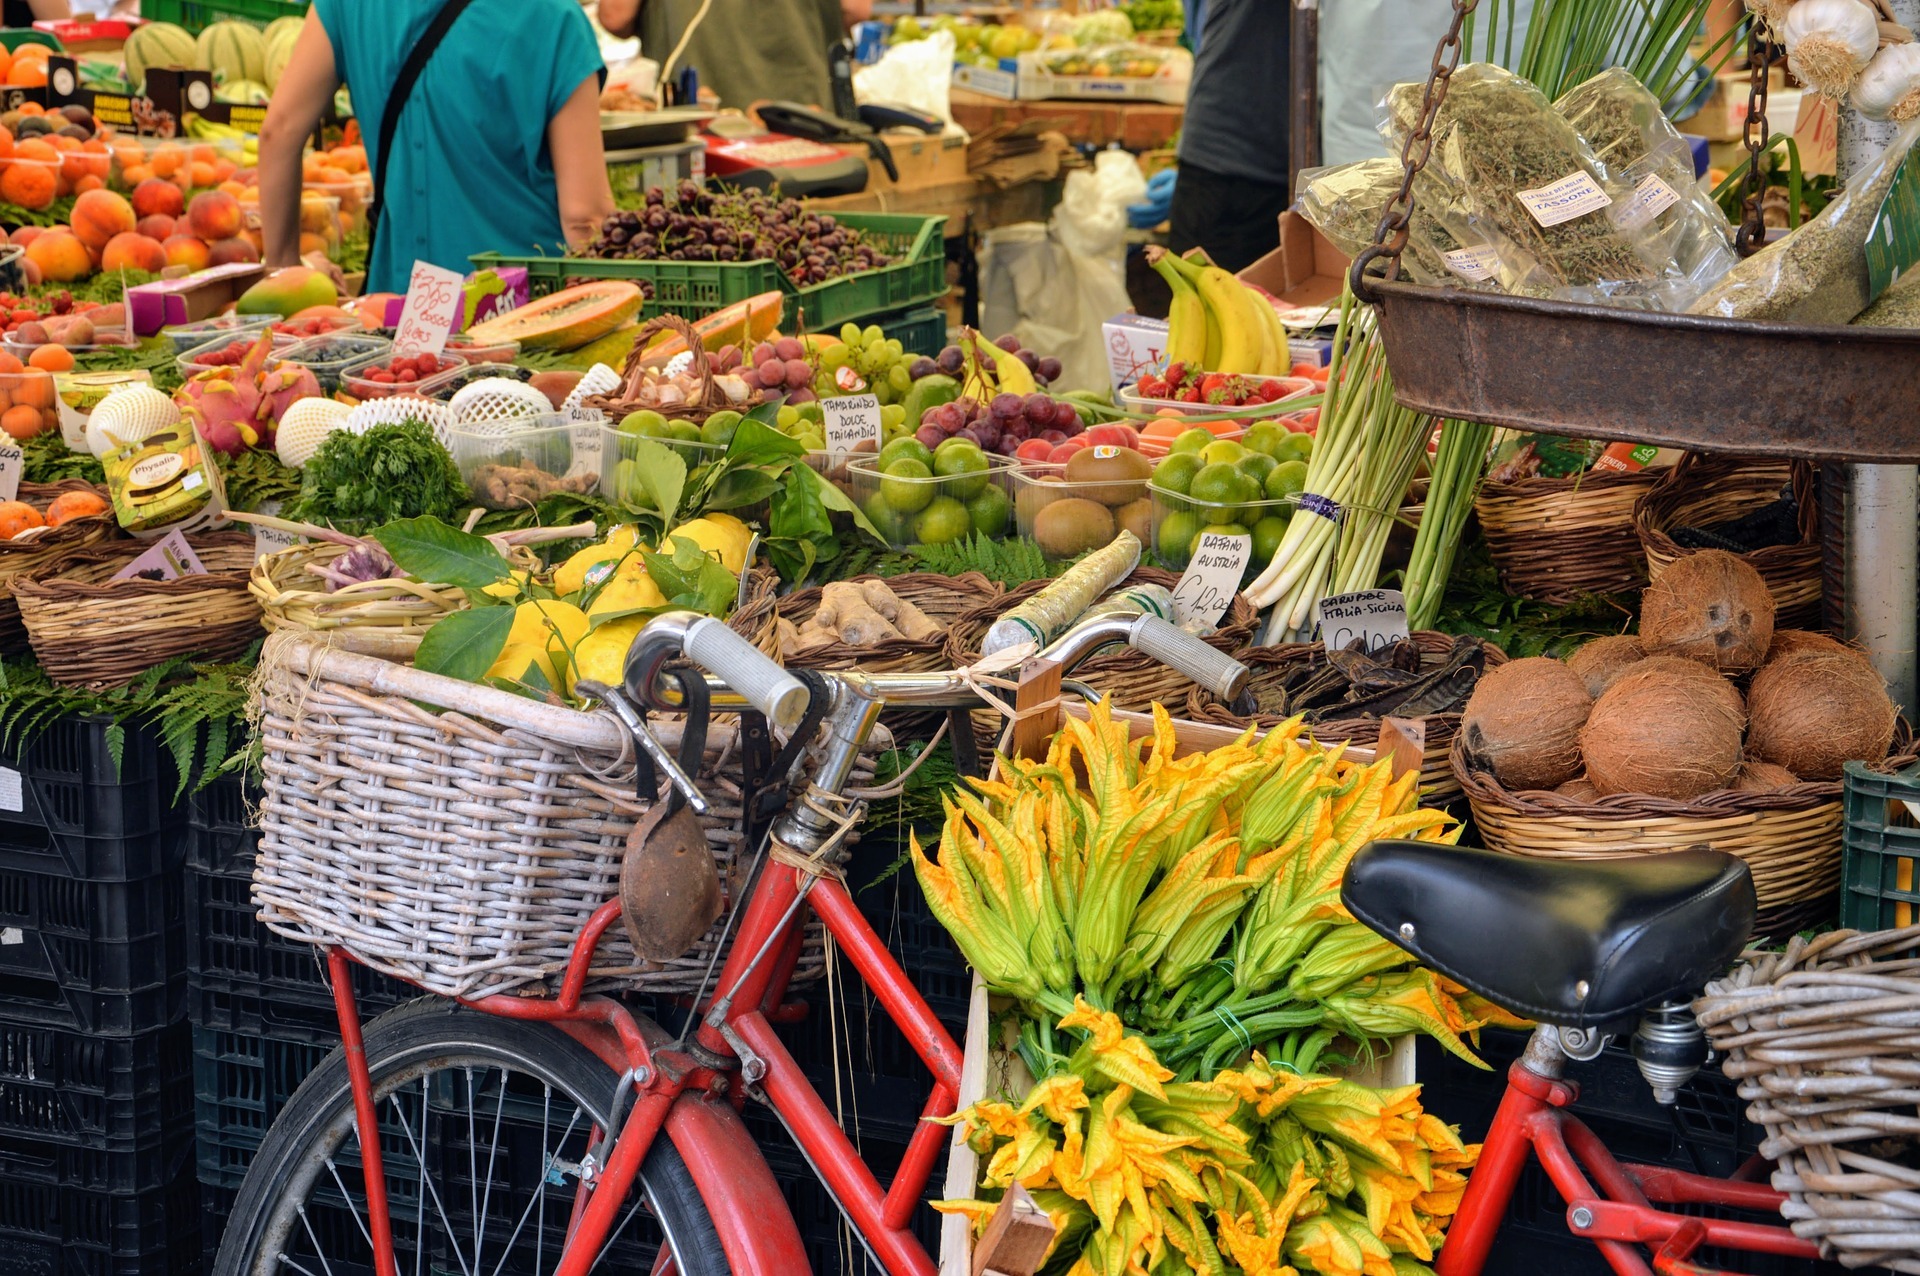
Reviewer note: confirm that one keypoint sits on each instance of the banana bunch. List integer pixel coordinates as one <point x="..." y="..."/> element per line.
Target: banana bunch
<point x="206" y="130"/>
<point x="1217" y="322"/>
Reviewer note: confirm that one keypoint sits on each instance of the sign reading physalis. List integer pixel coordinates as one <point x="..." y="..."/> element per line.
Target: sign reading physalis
<point x="165" y="478"/>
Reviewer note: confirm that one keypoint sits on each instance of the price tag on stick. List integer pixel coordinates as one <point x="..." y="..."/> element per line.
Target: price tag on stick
<point x="1212" y="578"/>
<point x="426" y="320"/>
<point x="12" y="461"/>
<point x="1377" y="615"/>
<point x="851" y="420"/>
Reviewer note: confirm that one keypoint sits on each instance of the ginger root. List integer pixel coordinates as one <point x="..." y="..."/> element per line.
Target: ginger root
<point x="793" y="639"/>
<point x="913" y="624"/>
<point x="846" y="614"/>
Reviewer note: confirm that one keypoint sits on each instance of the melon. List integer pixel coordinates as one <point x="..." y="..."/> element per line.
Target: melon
<point x="284" y="28"/>
<point x="245" y="92"/>
<point x="279" y="57"/>
<point x="565" y="319"/>
<point x="156" y="44"/>
<point x="232" y="51"/>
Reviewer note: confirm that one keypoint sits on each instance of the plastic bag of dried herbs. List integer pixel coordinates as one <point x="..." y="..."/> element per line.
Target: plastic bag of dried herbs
<point x="1631" y="137"/>
<point x="1817" y="274"/>
<point x="1898" y="307"/>
<point x="1346" y="202"/>
<point x="1524" y="182"/>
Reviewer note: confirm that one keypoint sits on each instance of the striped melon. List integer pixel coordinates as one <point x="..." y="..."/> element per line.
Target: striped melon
<point x="245" y="92"/>
<point x="278" y="25"/>
<point x="232" y="51"/>
<point x="279" y="51"/>
<point x="156" y="44"/>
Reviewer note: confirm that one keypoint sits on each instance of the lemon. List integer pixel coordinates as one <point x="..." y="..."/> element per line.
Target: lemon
<point x="547" y="623"/>
<point x="721" y="535"/>
<point x="624" y="535"/>
<point x="571" y="576"/>
<point x="517" y="659"/>
<point x="602" y="654"/>
<point x="508" y="588"/>
<point x="629" y="590"/>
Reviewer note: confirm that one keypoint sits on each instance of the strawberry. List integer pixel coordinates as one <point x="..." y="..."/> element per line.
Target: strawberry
<point x="1189" y="394"/>
<point x="1212" y="384"/>
<point x="1176" y="373"/>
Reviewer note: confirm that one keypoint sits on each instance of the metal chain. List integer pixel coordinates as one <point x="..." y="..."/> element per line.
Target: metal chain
<point x="1752" y="235"/>
<point x="1390" y="237"/>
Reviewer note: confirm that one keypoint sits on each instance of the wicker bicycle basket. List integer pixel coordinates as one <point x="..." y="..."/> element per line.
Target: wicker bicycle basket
<point x="1819" y="1038"/>
<point x="1790" y="838"/>
<point x="956" y="603"/>
<point x="463" y="847"/>
<point x="1704" y="491"/>
<point x="1268" y="665"/>
<point x="1555" y="539"/>
<point x="45" y="549"/>
<point x="88" y="629"/>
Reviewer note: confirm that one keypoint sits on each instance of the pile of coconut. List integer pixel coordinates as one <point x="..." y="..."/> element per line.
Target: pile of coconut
<point x="1664" y="714"/>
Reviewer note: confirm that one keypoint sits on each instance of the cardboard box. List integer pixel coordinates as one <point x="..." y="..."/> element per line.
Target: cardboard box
<point x="164" y="302"/>
<point x="1136" y="345"/>
<point x="1026" y="78"/>
<point x="923" y="159"/>
<point x="1305" y="270"/>
<point x="104" y="36"/>
<point x="1723" y="116"/>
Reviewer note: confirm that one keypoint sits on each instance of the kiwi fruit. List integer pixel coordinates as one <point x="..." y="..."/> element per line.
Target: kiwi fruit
<point x="1137" y="517"/>
<point x="1073" y="525"/>
<point x="1112" y="475"/>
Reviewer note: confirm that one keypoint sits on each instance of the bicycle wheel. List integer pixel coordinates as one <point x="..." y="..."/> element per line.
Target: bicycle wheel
<point x="483" y="1125"/>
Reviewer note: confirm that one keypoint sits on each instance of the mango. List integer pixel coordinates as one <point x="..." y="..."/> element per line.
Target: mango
<point x="287" y="291"/>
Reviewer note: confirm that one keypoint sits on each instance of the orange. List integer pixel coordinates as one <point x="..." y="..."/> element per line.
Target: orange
<point x="30" y="108"/>
<point x="35" y="148"/>
<point x="61" y="142"/>
<point x="70" y="505"/>
<point x="17" y="516"/>
<point x="32" y="52"/>
<point x="51" y="358"/>
<point x="6" y="144"/>
<point x="23" y="422"/>
<point x="29" y="185"/>
<point x="6" y="61"/>
<point x="29" y="75"/>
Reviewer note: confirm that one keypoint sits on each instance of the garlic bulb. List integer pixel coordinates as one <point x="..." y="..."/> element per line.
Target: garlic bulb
<point x="1772" y="13"/>
<point x="1829" y="42"/>
<point x="1889" y="89"/>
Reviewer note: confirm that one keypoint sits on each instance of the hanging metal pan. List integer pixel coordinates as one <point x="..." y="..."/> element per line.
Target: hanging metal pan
<point x="1595" y="372"/>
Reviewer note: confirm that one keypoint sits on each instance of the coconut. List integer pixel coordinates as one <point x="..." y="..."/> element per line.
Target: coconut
<point x="1663" y="732"/>
<point x="1813" y="711"/>
<point x="1712" y="607"/>
<point x="1523" y="723"/>
<point x="1601" y="661"/>
<point x="1762" y="777"/>
<point x="1681" y="667"/>
<point x="1790" y="640"/>
<point x="1580" y="789"/>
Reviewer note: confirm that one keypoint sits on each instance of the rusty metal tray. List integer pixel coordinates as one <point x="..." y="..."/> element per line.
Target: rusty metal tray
<point x="1723" y="385"/>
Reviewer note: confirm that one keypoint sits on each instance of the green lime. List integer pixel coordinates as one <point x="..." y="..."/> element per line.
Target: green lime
<point x="907" y="449"/>
<point x="647" y="424"/>
<point x="1256" y="466"/>
<point x="626" y="484"/>
<point x="905" y="487"/>
<point x="719" y="427"/>
<point x="1191" y="440"/>
<point x="1265" y="436"/>
<point x="1295" y="447"/>
<point x="896" y="527"/>
<point x="963" y="468"/>
<point x="1175" y="474"/>
<point x="1218" y="484"/>
<point x="1286" y="478"/>
<point x="1173" y="539"/>
<point x="945" y="519"/>
<point x="1267" y="534"/>
<point x="989" y="512"/>
<point x="1222" y="451"/>
<point x="1216" y="529"/>
<point x="684" y="432"/>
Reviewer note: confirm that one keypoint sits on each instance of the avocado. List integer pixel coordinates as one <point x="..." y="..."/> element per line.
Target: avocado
<point x="928" y="392"/>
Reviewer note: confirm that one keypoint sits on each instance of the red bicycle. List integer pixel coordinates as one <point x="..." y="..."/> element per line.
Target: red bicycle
<point x="459" y="1137"/>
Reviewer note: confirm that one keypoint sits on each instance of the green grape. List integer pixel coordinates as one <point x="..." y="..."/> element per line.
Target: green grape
<point x="895" y="349"/>
<point x="876" y="349"/>
<point x="871" y="334"/>
<point x="893" y="416"/>
<point x="787" y="417"/>
<point x="823" y="385"/>
<point x="884" y="393"/>
<point x="813" y="412"/>
<point x="850" y="333"/>
<point x="897" y="378"/>
<point x="836" y="355"/>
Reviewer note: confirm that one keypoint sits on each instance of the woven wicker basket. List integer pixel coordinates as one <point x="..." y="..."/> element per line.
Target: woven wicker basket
<point x="1269" y="664"/>
<point x="617" y="403"/>
<point x="462" y="849"/>
<point x="45" y="550"/>
<point x="90" y="630"/>
<point x="1555" y="539"/>
<point x="1790" y="838"/>
<point x="1702" y="491"/>
<point x="958" y="603"/>
<point x="1819" y="1039"/>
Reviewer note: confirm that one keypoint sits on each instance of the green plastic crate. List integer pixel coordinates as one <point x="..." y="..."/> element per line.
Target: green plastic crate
<point x="919" y="331"/>
<point x="1880" y="866"/>
<point x="195" y="15"/>
<point x="694" y="289"/>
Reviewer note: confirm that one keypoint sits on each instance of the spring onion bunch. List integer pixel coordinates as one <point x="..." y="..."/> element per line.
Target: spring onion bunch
<point x="1363" y="458"/>
<point x="1459" y="464"/>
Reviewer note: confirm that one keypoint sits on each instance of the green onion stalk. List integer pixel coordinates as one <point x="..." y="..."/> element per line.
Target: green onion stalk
<point x="1459" y="465"/>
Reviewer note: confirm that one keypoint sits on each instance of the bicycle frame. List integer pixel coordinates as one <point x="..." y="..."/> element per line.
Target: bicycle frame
<point x="1620" y="1216"/>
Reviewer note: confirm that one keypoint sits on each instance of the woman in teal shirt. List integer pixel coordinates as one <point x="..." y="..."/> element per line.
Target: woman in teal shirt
<point x="498" y="147"/>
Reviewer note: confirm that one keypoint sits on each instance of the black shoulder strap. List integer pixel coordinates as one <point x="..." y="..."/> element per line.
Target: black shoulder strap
<point x="397" y="103"/>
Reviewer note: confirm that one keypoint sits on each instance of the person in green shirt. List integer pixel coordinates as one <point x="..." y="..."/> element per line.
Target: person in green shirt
<point x="497" y="148"/>
<point x="746" y="51"/>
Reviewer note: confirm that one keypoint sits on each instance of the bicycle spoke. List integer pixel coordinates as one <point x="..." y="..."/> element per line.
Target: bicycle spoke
<point x="486" y="1197"/>
<point x="420" y="1206"/>
<point x="439" y="1209"/>
<point x="473" y="1184"/>
<point x="539" y="1196"/>
<point x="288" y="1262"/>
<point x="358" y="1221"/>
<point x="318" y="1252"/>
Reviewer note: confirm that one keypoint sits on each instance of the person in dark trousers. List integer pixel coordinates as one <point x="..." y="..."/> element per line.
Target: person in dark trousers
<point x="1233" y="144"/>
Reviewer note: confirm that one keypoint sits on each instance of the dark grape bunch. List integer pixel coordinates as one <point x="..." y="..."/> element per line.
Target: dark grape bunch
<point x="1001" y="424"/>
<point x="952" y="362"/>
<point x="691" y="223"/>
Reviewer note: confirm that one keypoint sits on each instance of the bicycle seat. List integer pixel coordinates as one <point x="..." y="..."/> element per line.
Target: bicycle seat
<point x="1586" y="944"/>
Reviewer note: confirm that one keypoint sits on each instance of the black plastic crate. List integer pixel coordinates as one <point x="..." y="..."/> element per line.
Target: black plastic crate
<point x="108" y="1166"/>
<point x="338" y="1227"/>
<point x="252" y="1006"/>
<point x="61" y="1231"/>
<point x="103" y="957"/>
<point x="66" y="807"/>
<point x="230" y="949"/>
<point x="220" y="836"/>
<point x="74" y="1089"/>
<point x="896" y="907"/>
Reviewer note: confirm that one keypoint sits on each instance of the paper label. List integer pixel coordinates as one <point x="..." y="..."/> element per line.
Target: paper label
<point x="1478" y="264"/>
<point x="1377" y="615"/>
<point x="12" y="935"/>
<point x="1893" y="241"/>
<point x="13" y="459"/>
<point x="169" y="558"/>
<point x="434" y="296"/>
<point x="851" y="420"/>
<point x="1651" y="198"/>
<point x="11" y="797"/>
<point x="271" y="540"/>
<point x="1212" y="578"/>
<point x="1574" y="195"/>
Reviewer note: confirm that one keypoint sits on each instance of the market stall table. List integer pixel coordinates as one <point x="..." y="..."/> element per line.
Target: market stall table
<point x="1137" y="126"/>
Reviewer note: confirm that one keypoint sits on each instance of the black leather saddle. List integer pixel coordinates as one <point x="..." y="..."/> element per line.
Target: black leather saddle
<point x="1575" y="944"/>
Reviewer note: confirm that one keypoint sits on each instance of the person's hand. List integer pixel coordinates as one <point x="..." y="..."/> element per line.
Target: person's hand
<point x="328" y="267"/>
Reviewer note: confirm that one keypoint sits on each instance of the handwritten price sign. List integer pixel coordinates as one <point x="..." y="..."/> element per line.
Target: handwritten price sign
<point x="13" y="459"/>
<point x="1376" y="616"/>
<point x="433" y="299"/>
<point x="1212" y="578"/>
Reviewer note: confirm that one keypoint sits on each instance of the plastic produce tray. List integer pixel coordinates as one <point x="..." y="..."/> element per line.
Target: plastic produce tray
<point x="72" y="1089"/>
<point x="65" y="1231"/>
<point x="100" y="957"/>
<point x="1880" y="887"/>
<point x="67" y="808"/>
<point x="229" y="950"/>
<point x="196" y="14"/>
<point x="694" y="289"/>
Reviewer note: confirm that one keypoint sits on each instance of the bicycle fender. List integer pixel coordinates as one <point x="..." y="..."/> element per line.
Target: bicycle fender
<point x="756" y="1227"/>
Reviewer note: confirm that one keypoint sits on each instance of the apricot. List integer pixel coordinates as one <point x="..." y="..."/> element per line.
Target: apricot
<point x="136" y="175"/>
<point x="6" y="144"/>
<point x="9" y="363"/>
<point x="33" y="388"/>
<point x="214" y="215"/>
<point x="28" y="75"/>
<point x="24" y="235"/>
<point x="132" y="251"/>
<point x="204" y="175"/>
<point x="51" y="358"/>
<point x="18" y="516"/>
<point x="100" y="215"/>
<point x="72" y="505"/>
<point x="30" y="183"/>
<point x="155" y="226"/>
<point x="167" y="160"/>
<point x="22" y="421"/>
<point x="60" y="254"/>
<point x="187" y="250"/>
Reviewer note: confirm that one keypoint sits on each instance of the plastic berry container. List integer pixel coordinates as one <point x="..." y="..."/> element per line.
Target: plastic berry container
<point x="410" y="375"/>
<point x="448" y="383"/>
<point x="483" y="352"/>
<point x="190" y="336"/>
<point x="329" y="357"/>
<point x="29" y="403"/>
<point x="933" y="509"/>
<point x="287" y="332"/>
<point x="220" y="352"/>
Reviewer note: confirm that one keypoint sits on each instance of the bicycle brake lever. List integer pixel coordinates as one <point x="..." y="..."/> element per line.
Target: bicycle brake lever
<point x="644" y="740"/>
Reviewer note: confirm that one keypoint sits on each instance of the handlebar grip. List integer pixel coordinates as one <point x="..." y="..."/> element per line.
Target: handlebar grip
<point x="736" y="662"/>
<point x="1210" y="667"/>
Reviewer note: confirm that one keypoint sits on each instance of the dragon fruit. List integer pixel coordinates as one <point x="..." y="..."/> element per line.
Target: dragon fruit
<point x="280" y="388"/>
<point x="236" y="408"/>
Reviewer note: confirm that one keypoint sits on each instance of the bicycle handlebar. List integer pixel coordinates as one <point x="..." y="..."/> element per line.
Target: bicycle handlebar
<point x="735" y="662"/>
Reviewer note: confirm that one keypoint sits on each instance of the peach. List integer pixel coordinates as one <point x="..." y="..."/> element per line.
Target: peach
<point x="155" y="226"/>
<point x="100" y="215"/>
<point x="155" y="196"/>
<point x="189" y="251"/>
<point x="214" y="215"/>
<point x="24" y="235"/>
<point x="130" y="251"/>
<point x="61" y="256"/>
<point x="224" y="252"/>
<point x="31" y="271"/>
